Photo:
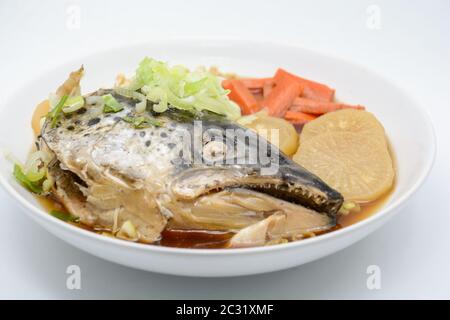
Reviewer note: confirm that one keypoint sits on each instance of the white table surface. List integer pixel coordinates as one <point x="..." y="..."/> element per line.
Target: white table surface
<point x="411" y="47"/>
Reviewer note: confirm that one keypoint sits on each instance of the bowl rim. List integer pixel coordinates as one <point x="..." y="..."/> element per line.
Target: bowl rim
<point x="221" y="41"/>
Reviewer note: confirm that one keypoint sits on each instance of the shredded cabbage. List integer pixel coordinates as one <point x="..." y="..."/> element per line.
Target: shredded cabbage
<point x="180" y="88"/>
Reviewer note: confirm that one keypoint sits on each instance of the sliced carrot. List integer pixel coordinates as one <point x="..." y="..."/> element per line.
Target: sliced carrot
<point x="297" y="117"/>
<point x="268" y="86"/>
<point x="282" y="95"/>
<point x="258" y="96"/>
<point x="254" y="83"/>
<point x="319" y="107"/>
<point x="312" y="90"/>
<point x="256" y="91"/>
<point x="242" y="96"/>
<point x="226" y="84"/>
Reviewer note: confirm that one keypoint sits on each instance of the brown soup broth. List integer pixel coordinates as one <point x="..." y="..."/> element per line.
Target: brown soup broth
<point x="218" y="239"/>
<point x="197" y="239"/>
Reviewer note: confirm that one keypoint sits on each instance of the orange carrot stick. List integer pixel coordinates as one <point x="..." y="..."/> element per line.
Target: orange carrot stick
<point x="242" y="96"/>
<point x="267" y="88"/>
<point x="296" y="117"/>
<point x="281" y="97"/>
<point x="226" y="84"/>
<point x="319" y="107"/>
<point x="312" y="90"/>
<point x="256" y="91"/>
<point x="258" y="96"/>
<point x="254" y="83"/>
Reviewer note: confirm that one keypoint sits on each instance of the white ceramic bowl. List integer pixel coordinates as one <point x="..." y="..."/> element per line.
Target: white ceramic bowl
<point x="407" y="125"/>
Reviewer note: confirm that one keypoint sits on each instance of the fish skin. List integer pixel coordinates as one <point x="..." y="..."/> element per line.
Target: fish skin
<point x="134" y="174"/>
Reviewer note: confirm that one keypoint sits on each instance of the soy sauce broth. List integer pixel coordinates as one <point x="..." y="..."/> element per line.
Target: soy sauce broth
<point x="207" y="239"/>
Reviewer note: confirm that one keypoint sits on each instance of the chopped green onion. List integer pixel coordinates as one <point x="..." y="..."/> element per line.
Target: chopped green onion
<point x="111" y="104"/>
<point x="35" y="167"/>
<point x="55" y="113"/>
<point x="129" y="93"/>
<point x="48" y="183"/>
<point x="32" y="186"/>
<point x="73" y="104"/>
<point x="36" y="175"/>
<point x="128" y="119"/>
<point x="142" y="122"/>
<point x="33" y="175"/>
<point x="349" y="205"/>
<point x="64" y="216"/>
<point x="96" y="101"/>
<point x="141" y="106"/>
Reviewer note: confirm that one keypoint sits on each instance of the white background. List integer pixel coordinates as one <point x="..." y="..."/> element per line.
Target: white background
<point x="411" y="48"/>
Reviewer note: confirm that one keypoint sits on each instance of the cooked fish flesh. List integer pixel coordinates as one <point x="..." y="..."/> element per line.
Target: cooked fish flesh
<point x="108" y="172"/>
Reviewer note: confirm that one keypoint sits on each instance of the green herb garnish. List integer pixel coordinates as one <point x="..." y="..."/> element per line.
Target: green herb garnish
<point x="33" y="186"/>
<point x="73" y="104"/>
<point x="111" y="104"/>
<point x="182" y="89"/>
<point x="55" y="113"/>
<point x="142" y="122"/>
<point x="64" y="216"/>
